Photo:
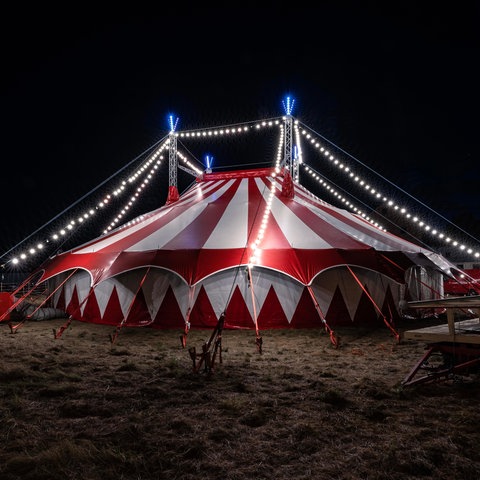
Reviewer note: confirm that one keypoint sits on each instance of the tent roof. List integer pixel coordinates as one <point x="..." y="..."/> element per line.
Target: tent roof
<point x="214" y="225"/>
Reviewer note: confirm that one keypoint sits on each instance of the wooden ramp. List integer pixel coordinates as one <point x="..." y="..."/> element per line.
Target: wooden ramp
<point x="452" y="348"/>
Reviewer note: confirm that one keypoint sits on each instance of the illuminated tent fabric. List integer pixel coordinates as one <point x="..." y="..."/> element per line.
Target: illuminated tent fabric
<point x="188" y="262"/>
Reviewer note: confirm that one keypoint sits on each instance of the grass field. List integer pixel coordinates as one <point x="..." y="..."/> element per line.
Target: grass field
<point x="82" y="407"/>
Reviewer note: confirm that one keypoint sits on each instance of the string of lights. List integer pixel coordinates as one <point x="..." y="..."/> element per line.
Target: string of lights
<point x="378" y="196"/>
<point x="145" y="173"/>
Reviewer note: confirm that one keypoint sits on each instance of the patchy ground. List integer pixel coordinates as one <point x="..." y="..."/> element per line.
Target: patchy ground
<point x="82" y="407"/>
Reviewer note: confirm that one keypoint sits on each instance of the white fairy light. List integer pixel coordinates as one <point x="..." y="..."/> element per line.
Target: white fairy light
<point x="362" y="182"/>
<point x="150" y="167"/>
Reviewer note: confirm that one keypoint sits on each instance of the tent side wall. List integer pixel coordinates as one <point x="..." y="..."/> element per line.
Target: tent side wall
<point x="272" y="298"/>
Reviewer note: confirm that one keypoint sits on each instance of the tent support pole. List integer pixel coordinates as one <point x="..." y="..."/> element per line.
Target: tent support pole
<point x="4" y="315"/>
<point x="258" y="338"/>
<point x="429" y="287"/>
<point x="395" y="333"/>
<point x="333" y="337"/>
<point x="51" y="294"/>
<point x="183" y="336"/>
<point x="13" y="328"/>
<point x="58" y="333"/>
<point x="114" y="335"/>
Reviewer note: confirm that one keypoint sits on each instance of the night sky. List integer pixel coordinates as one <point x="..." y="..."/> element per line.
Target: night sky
<point x="393" y="84"/>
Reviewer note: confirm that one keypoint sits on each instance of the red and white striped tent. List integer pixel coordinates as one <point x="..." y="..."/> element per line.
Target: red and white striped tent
<point x="251" y="244"/>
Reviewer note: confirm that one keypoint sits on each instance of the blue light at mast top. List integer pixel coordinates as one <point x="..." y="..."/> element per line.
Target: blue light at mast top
<point x="172" y="124"/>
<point x="209" y="161"/>
<point x="288" y="104"/>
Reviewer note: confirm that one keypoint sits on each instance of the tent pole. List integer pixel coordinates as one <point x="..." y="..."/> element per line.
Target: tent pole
<point x="13" y="328"/>
<point x="114" y="335"/>
<point x="395" y="333"/>
<point x="58" y="333"/>
<point x="23" y="296"/>
<point x="183" y="337"/>
<point x="51" y="294"/>
<point x="429" y="287"/>
<point x="333" y="337"/>
<point x="258" y="338"/>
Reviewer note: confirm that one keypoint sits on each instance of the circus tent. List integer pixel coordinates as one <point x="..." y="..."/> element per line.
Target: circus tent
<point x="251" y="244"/>
<point x="245" y="248"/>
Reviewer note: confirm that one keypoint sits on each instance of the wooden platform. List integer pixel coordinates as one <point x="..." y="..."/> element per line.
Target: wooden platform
<point x="463" y="331"/>
<point x="453" y="348"/>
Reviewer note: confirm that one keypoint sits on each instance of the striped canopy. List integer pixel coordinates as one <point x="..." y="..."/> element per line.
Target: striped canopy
<point x="198" y="247"/>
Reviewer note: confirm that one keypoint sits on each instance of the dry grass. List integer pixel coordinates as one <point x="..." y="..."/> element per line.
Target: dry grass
<point x="80" y="407"/>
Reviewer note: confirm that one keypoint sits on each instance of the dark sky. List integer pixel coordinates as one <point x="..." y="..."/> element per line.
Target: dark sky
<point x="394" y="84"/>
